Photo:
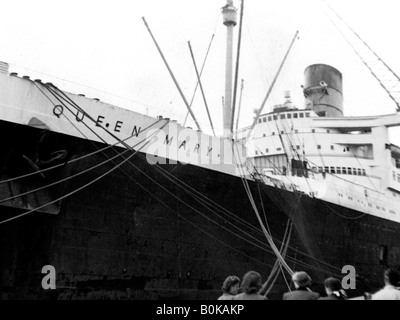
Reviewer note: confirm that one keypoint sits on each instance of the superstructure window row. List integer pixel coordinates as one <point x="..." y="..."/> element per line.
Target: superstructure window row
<point x="340" y="170"/>
<point x="282" y="116"/>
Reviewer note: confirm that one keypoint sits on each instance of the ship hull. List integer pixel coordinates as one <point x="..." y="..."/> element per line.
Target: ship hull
<point x="168" y="231"/>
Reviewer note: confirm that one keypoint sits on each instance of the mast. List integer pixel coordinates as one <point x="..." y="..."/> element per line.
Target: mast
<point x="229" y="13"/>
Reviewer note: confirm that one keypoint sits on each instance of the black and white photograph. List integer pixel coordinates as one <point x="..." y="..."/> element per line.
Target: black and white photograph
<point x="182" y="150"/>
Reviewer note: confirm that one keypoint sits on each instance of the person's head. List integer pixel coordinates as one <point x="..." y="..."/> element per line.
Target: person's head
<point x="301" y="279"/>
<point x="231" y="285"/>
<point x="251" y="282"/>
<point x="391" y="277"/>
<point x="332" y="285"/>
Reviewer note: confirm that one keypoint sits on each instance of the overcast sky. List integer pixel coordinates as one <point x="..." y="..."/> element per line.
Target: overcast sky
<point x="105" y="45"/>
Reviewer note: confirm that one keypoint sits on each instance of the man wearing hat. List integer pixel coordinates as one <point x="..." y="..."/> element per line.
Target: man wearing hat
<point x="301" y="281"/>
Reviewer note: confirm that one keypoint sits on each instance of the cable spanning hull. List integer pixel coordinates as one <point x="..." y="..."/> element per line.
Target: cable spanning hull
<point x="146" y="233"/>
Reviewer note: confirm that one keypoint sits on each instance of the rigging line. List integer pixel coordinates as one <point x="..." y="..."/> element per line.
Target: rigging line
<point x="259" y="110"/>
<point x="270" y="241"/>
<point x="280" y="265"/>
<point x="200" y="195"/>
<point x="195" y="210"/>
<point x="74" y="175"/>
<point x="342" y="216"/>
<point x="172" y="193"/>
<point x="295" y="151"/>
<point x="172" y="75"/>
<point x="76" y="190"/>
<point x="129" y="147"/>
<point x="59" y="94"/>
<point x="198" y="81"/>
<point x="303" y="253"/>
<point x="201" y="87"/>
<point x="362" y="59"/>
<point x="135" y="166"/>
<point x="237" y="65"/>
<point x="306" y="254"/>
<point x="294" y="249"/>
<point x="262" y="206"/>
<point x="70" y="161"/>
<point x="146" y="175"/>
<point x="207" y="206"/>
<point x="67" y="99"/>
<point x="73" y="104"/>
<point x="284" y="277"/>
<point x="194" y="225"/>
<point x="276" y="261"/>
<point x="240" y="105"/>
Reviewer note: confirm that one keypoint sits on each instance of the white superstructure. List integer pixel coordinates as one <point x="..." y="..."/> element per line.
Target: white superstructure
<point x="348" y="161"/>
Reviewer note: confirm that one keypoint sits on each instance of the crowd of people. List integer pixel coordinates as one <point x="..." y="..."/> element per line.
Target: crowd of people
<point x="249" y="288"/>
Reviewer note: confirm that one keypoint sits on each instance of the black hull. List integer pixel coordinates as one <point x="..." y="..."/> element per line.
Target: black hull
<point x="138" y="234"/>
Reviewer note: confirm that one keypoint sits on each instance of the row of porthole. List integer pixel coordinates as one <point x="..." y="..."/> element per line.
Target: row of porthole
<point x="369" y="204"/>
<point x="294" y="149"/>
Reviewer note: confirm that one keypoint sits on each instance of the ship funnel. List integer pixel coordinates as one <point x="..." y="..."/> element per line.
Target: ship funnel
<point x="3" y="67"/>
<point x="323" y="90"/>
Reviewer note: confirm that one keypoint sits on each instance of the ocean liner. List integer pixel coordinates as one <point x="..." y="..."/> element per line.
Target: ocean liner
<point x="127" y="206"/>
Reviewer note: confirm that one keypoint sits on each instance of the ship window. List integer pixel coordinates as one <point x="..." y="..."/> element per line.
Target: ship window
<point x="383" y="255"/>
<point x="289" y="116"/>
<point x="259" y="120"/>
<point x="264" y="135"/>
<point x="363" y="172"/>
<point x="256" y="153"/>
<point x="326" y="169"/>
<point x="301" y="115"/>
<point x="275" y="117"/>
<point x="338" y="170"/>
<point x="320" y="169"/>
<point x="315" y="169"/>
<point x="273" y="133"/>
<point x="344" y="170"/>
<point x="283" y="116"/>
<point x="319" y="147"/>
<point x="354" y="171"/>
<point x="282" y="132"/>
<point x="298" y="147"/>
<point x="332" y="148"/>
<point x="269" y="118"/>
<point x="295" y="115"/>
<point x="296" y="131"/>
<point x="359" y="172"/>
<point x="328" y="131"/>
<point x="313" y="130"/>
<point x="267" y="150"/>
<point x="398" y="177"/>
<point x="307" y="114"/>
<point x="394" y="175"/>
<point x="278" y="149"/>
<point x="264" y="119"/>
<point x="349" y="170"/>
<point x="332" y="169"/>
